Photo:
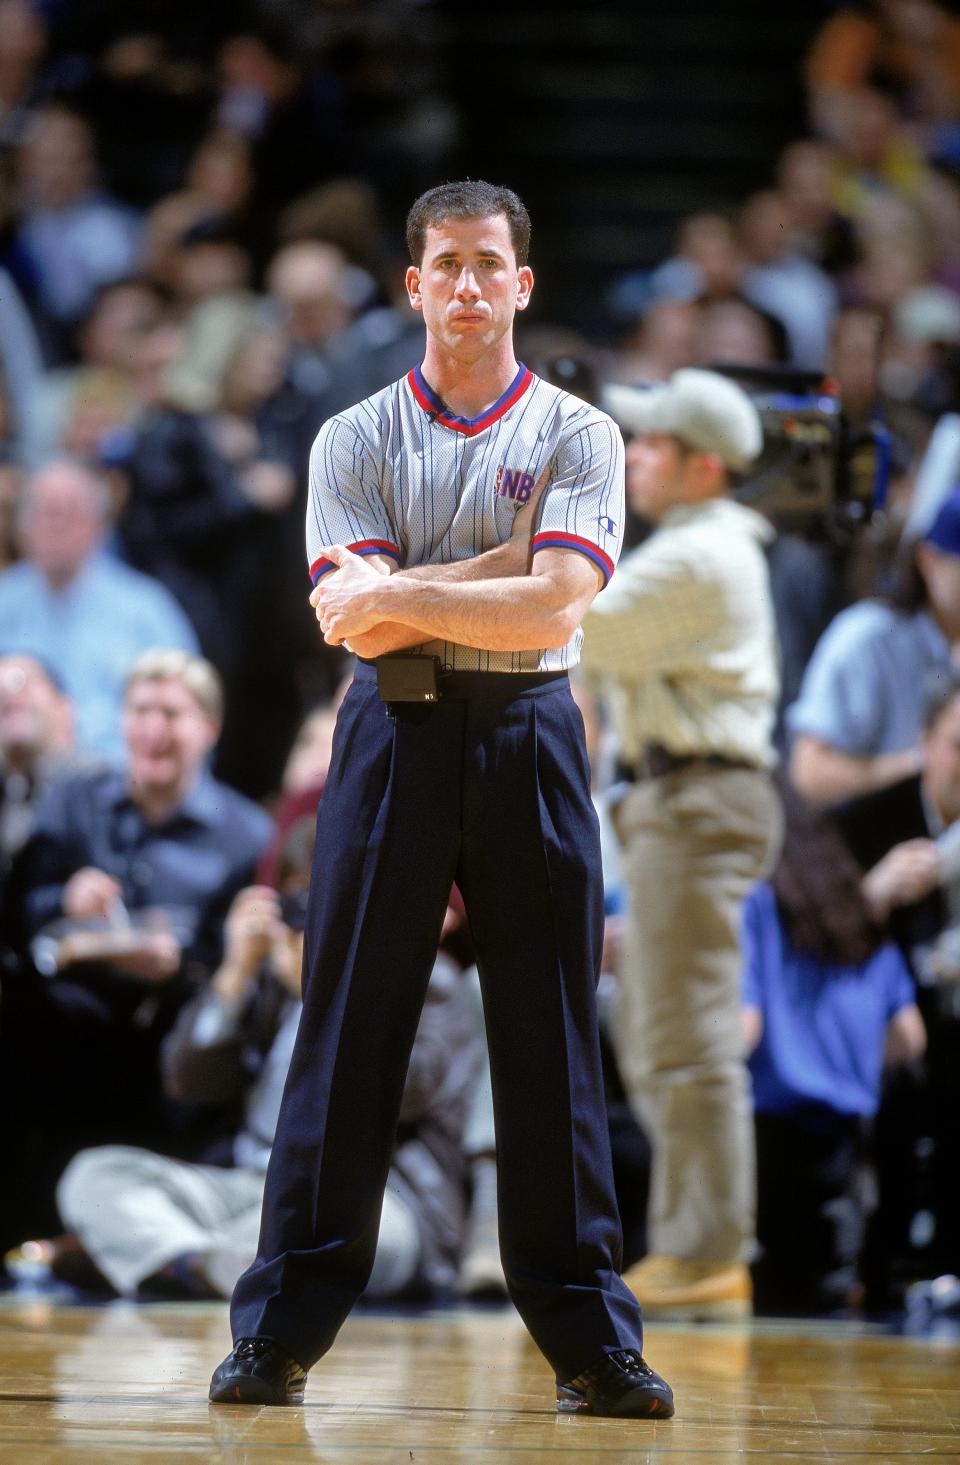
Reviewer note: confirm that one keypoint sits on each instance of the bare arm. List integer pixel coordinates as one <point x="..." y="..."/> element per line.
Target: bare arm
<point x="906" y="1037"/>
<point x="825" y="775"/>
<point x="502" y="562"/>
<point x="505" y="614"/>
<point x="751" y="1025"/>
<point x="907" y="873"/>
<point x="506" y="561"/>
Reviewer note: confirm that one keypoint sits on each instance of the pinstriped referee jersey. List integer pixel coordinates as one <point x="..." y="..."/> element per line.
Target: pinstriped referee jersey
<point x="401" y="475"/>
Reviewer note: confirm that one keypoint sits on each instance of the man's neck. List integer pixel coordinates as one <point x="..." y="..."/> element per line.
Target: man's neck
<point x="61" y="579"/>
<point x="156" y="804"/>
<point x="468" y="388"/>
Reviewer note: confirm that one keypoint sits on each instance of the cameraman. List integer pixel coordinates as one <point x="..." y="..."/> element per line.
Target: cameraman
<point x="684" y="636"/>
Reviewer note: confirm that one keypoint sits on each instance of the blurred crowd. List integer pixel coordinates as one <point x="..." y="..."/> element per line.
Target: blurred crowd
<point x="192" y="280"/>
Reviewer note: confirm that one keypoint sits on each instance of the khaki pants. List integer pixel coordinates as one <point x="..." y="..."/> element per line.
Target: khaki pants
<point x="694" y="842"/>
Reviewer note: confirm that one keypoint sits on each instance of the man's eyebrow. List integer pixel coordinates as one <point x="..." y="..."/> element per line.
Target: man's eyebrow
<point x="482" y="251"/>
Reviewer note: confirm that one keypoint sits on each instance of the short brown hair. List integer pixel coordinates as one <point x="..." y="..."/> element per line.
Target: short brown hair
<point x="469" y="199"/>
<point x="201" y="679"/>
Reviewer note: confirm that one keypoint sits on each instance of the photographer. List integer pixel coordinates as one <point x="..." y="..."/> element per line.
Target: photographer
<point x="684" y="637"/>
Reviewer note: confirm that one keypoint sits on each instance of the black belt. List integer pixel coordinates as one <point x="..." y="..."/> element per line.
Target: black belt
<point x="656" y="761"/>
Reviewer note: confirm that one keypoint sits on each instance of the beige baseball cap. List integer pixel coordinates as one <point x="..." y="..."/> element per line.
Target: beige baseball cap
<point x="705" y="410"/>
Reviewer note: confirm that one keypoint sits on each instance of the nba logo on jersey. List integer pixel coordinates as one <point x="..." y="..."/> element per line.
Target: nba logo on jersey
<point x="511" y="483"/>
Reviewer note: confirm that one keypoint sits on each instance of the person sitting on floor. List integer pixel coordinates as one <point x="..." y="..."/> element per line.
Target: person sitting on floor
<point x="149" y="1224"/>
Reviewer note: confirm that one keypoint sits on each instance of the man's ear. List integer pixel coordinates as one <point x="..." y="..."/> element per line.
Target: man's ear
<point x="413" y="288"/>
<point x="524" y="286"/>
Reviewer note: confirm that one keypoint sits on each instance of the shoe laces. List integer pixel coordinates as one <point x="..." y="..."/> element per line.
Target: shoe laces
<point x="252" y="1347"/>
<point x="629" y="1361"/>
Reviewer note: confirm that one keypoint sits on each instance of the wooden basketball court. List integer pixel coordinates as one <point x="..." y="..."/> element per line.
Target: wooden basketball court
<point x="126" y="1383"/>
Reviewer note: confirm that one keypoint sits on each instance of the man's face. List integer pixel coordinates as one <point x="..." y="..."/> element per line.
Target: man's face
<point x="657" y="468"/>
<point x="167" y="736"/>
<point x="941" y="763"/>
<point x="62" y="524"/>
<point x="469" y="285"/>
<point x="32" y="710"/>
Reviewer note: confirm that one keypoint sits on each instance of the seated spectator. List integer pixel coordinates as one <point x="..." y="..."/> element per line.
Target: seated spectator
<point x="151" y="1224"/>
<point x="21" y="374"/>
<point x="905" y="838"/>
<point x="662" y="341"/>
<point x="825" y="994"/>
<point x="309" y="283"/>
<point x="805" y="187"/>
<point x="304" y="776"/>
<point x="126" y="878"/>
<point x="76" y="607"/>
<point x="71" y="239"/>
<point x="913" y="46"/>
<point x="784" y="282"/>
<point x="108" y="339"/>
<point x="856" y="724"/>
<point x="36" y="747"/>
<point x="893" y="834"/>
<point x="162" y="833"/>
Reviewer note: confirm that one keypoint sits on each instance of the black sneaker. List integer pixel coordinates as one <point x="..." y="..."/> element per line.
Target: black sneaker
<point x="258" y="1371"/>
<point x="620" y="1386"/>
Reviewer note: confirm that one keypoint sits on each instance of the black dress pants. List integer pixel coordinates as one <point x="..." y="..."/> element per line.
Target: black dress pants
<point x="488" y="788"/>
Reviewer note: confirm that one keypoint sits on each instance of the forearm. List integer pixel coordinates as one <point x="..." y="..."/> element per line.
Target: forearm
<point x="827" y="776"/>
<point x="520" y="614"/>
<point x="505" y="561"/>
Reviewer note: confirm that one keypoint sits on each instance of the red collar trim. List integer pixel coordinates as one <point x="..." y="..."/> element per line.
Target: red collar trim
<point x="435" y="408"/>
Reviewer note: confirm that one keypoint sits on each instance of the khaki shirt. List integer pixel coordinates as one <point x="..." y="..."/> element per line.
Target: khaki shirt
<point x="683" y="639"/>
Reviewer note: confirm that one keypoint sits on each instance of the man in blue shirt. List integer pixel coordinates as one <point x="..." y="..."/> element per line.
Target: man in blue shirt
<point x="78" y="609"/>
<point x="856" y="723"/>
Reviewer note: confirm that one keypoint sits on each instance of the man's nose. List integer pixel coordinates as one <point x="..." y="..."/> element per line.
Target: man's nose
<point x="467" y="286"/>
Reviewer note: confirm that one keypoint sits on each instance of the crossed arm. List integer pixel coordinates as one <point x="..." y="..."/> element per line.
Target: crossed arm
<point x="503" y="600"/>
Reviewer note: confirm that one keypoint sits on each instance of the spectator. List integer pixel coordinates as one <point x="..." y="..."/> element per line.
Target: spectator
<point x="663" y="341"/>
<point x="309" y="284"/>
<point x="150" y="1223"/>
<point x="76" y="607"/>
<point x="127" y="877"/>
<point x="904" y="837"/>
<point x="304" y="776"/>
<point x="71" y="239"/>
<point x="36" y="745"/>
<point x="21" y="376"/>
<point x="785" y="283"/>
<point x="912" y="46"/>
<point x="22" y="44"/>
<point x="108" y="339"/>
<point x="733" y="332"/>
<point x="825" y="994"/>
<point x="856" y="724"/>
<point x="816" y="228"/>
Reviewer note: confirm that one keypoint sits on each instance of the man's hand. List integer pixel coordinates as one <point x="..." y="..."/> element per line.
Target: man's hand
<point x="345" y="600"/>
<point x="90" y="892"/>
<point x="905" y="875"/>
<point x="155" y="959"/>
<point x="252" y="926"/>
